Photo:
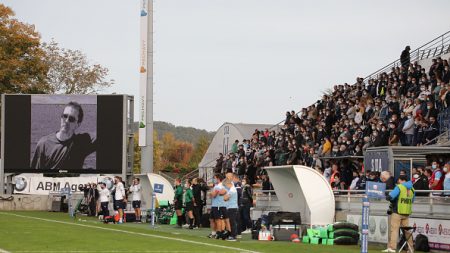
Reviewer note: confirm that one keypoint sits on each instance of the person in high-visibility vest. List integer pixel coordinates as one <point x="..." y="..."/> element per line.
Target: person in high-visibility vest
<point x="402" y="198"/>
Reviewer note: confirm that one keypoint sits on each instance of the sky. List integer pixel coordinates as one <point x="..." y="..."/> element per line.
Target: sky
<point x="239" y="61"/>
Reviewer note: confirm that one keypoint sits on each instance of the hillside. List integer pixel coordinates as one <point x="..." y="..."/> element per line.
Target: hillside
<point x="188" y="134"/>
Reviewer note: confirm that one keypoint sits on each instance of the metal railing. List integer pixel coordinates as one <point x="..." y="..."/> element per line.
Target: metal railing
<point x="444" y="120"/>
<point x="436" y="47"/>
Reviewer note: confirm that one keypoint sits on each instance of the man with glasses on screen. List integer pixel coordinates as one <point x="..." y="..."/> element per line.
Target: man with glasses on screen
<point x="65" y="149"/>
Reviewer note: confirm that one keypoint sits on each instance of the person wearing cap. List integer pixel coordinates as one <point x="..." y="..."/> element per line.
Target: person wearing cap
<point x="401" y="198"/>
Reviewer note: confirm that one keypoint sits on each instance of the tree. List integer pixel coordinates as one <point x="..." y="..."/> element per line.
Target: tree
<point x="22" y="65"/>
<point x="200" y="149"/>
<point x="157" y="152"/>
<point x="70" y="72"/>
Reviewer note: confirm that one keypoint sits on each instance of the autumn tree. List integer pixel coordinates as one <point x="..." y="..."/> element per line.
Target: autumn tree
<point x="22" y="65"/>
<point x="157" y="152"/>
<point x="200" y="149"/>
<point x="71" y="73"/>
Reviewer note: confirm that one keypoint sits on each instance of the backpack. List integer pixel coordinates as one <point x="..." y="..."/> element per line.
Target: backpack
<point x="422" y="243"/>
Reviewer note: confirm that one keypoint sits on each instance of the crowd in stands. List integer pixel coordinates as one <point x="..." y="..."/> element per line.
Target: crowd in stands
<point x="400" y="107"/>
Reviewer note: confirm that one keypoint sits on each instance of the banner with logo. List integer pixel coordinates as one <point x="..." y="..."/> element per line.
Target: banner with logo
<point x="39" y="185"/>
<point x="143" y="48"/>
<point x="378" y="227"/>
<point x="437" y="231"/>
<point x="375" y="190"/>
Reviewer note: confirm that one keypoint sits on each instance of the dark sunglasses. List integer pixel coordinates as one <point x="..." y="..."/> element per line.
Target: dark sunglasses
<point x="67" y="116"/>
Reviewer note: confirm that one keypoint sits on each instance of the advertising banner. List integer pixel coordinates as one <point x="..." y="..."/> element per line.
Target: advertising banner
<point x="378" y="227"/>
<point x="437" y="231"/>
<point x="40" y="185"/>
<point x="375" y="190"/>
<point x="143" y="73"/>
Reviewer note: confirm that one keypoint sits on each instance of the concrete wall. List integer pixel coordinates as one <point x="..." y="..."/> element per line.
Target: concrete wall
<point x="25" y="203"/>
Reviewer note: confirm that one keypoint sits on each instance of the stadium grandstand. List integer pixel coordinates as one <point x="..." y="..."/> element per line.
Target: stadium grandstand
<point x="405" y="103"/>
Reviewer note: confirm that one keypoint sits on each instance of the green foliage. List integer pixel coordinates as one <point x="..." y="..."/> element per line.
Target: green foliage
<point x="22" y="65"/>
<point x="171" y="154"/>
<point x="71" y="73"/>
<point x="187" y="134"/>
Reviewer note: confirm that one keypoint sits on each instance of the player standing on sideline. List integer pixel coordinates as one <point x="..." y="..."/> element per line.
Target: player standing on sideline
<point x="119" y="197"/>
<point x="218" y="209"/>
<point x="189" y="203"/>
<point x="231" y="200"/>
<point x="104" y="199"/>
<point x="136" y="190"/>
<point x="178" y="202"/>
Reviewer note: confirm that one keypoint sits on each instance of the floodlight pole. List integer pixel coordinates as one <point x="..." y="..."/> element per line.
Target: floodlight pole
<point x="146" y="87"/>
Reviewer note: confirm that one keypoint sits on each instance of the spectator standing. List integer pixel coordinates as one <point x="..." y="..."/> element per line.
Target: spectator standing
<point x="437" y="177"/>
<point x="219" y="164"/>
<point x="408" y="129"/>
<point x="405" y="57"/>
<point x="388" y="179"/>
<point x="234" y="147"/>
<point x="353" y="185"/>
<point x="446" y="170"/>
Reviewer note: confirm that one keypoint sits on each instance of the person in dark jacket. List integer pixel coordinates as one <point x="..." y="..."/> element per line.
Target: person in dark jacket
<point x="405" y="58"/>
<point x="245" y="205"/>
<point x="198" y="188"/>
<point x="432" y="131"/>
<point x="421" y="183"/>
<point x="219" y="164"/>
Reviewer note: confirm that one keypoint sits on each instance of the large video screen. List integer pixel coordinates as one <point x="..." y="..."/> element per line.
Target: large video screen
<point x="63" y="133"/>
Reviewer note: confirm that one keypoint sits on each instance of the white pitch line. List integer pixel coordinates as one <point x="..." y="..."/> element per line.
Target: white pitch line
<point x="130" y="232"/>
<point x="4" y="251"/>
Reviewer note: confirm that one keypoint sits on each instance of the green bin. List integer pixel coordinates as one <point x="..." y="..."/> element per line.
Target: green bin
<point x="330" y="228"/>
<point x="331" y="235"/>
<point x="305" y="239"/>
<point x="324" y="241"/>
<point x="330" y="242"/>
<point x="315" y="240"/>
<point x="323" y="233"/>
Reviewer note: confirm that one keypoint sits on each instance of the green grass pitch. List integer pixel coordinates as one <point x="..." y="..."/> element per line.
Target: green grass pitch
<point x="28" y="232"/>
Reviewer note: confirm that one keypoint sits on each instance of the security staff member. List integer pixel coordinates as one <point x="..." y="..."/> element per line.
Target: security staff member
<point x="178" y="202"/>
<point x="401" y="198"/>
